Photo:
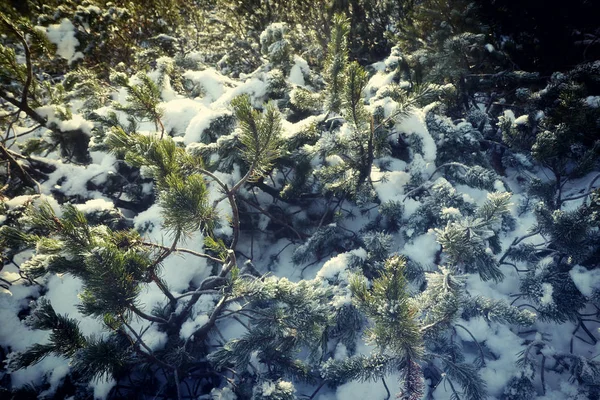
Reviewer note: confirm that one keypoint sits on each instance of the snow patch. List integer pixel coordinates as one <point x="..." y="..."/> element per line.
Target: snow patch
<point x="586" y="281"/>
<point x="63" y="36"/>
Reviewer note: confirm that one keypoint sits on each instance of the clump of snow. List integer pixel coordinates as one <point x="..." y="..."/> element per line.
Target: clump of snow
<point x="377" y="81"/>
<point x="299" y="70"/>
<point x="389" y="185"/>
<point x="451" y="212"/>
<point x="74" y="178"/>
<point x="415" y="124"/>
<point x="102" y="386"/>
<point x="586" y="281"/>
<point x="471" y="194"/>
<point x="178" y="113"/>
<point x="36" y="201"/>
<point x="334" y="160"/>
<point x="200" y="122"/>
<point x="77" y="122"/>
<point x="499" y="186"/>
<point x="509" y="115"/>
<point x="95" y="205"/>
<point x="341" y="352"/>
<point x="522" y="120"/>
<point x="212" y="82"/>
<point x="338" y="265"/>
<point x="592" y="101"/>
<point x="255" y="87"/>
<point x="63" y="294"/>
<point x="423" y="249"/>
<point x="63" y="36"/>
<point x="190" y="326"/>
<point x="410" y="207"/>
<point x="55" y="378"/>
<point x="181" y="268"/>
<point x="547" y="290"/>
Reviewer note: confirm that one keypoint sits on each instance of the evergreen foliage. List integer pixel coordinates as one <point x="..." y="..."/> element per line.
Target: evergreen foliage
<point x="285" y="199"/>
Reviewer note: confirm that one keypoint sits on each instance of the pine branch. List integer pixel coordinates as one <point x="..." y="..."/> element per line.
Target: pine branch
<point x="145" y="316"/>
<point x="28" y="64"/>
<point x="25" y="177"/>
<point x="427" y="182"/>
<point x="232" y="202"/>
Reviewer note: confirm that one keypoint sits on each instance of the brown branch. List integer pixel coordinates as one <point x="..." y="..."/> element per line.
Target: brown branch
<point x="29" y="79"/>
<point x="148" y="317"/>
<point x="25" y="177"/>
<point x="180" y="250"/>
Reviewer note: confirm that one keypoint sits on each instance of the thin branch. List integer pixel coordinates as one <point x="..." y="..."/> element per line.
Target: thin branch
<point x="587" y="193"/>
<point x="424" y="184"/>
<point x="476" y="342"/>
<point x="204" y="329"/>
<point x="587" y="331"/>
<point x="386" y="388"/>
<point x="273" y="218"/>
<point x="25" y="177"/>
<point x="543" y="380"/>
<point x="234" y="208"/>
<point x="180" y="250"/>
<point x="515" y="242"/>
<point x="148" y="317"/>
<point x="18" y="135"/>
<point x="312" y="396"/>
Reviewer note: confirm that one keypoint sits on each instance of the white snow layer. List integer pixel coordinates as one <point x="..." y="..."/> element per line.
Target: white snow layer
<point x="63" y="36"/>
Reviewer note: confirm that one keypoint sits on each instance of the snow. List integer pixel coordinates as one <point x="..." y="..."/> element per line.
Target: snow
<point x="255" y="87"/>
<point x="415" y="124"/>
<point x="179" y="270"/>
<point x="341" y="352"/>
<point x="547" y="293"/>
<point x="102" y="386"/>
<point x="63" y="36"/>
<point x="188" y="119"/>
<point x="299" y="70"/>
<point x="178" y="113"/>
<point x="212" y="82"/>
<point x="522" y="120"/>
<point x="592" y="101"/>
<point x="74" y="178"/>
<point x="389" y="185"/>
<point x="377" y="81"/>
<point x="77" y="122"/>
<point x="423" y="249"/>
<point x="95" y="205"/>
<point x="200" y="122"/>
<point x="334" y="160"/>
<point x="63" y="294"/>
<point x="35" y="201"/>
<point x="337" y="265"/>
<point x="190" y="326"/>
<point x="586" y="281"/>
